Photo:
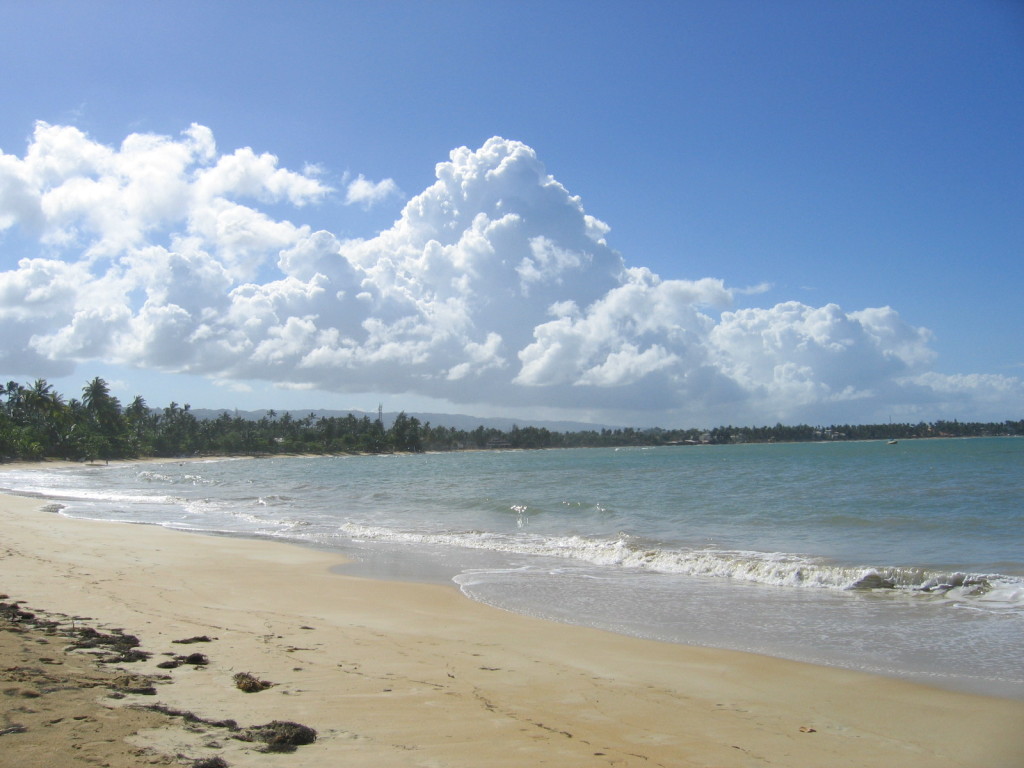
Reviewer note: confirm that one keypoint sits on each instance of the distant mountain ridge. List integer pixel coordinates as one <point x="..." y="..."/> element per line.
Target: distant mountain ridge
<point x="451" y="420"/>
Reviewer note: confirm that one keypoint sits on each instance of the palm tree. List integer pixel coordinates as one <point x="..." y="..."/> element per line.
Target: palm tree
<point x="15" y="394"/>
<point x="104" y="412"/>
<point x="141" y="423"/>
<point x="48" y="415"/>
<point x="96" y="396"/>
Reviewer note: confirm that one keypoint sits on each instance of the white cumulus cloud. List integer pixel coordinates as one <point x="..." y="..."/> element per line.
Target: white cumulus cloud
<point x="493" y="286"/>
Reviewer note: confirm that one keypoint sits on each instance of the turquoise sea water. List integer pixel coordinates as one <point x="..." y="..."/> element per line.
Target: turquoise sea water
<point x="902" y="559"/>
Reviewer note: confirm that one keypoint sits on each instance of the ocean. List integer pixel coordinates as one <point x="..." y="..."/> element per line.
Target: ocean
<point x="905" y="560"/>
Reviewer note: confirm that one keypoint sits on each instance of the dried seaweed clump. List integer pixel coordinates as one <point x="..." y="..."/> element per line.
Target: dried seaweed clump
<point x="124" y="647"/>
<point x="250" y="683"/>
<point x="12" y="612"/>
<point x="279" y="735"/>
<point x="210" y="762"/>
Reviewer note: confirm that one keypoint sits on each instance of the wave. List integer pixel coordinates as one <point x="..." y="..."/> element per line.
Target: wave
<point x="768" y="568"/>
<point x="109" y="497"/>
<point x="152" y="476"/>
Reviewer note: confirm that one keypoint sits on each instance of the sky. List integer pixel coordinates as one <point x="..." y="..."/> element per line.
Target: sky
<point x="681" y="214"/>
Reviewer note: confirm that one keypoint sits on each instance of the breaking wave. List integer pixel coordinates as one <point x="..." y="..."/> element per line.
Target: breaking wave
<point x="769" y="568"/>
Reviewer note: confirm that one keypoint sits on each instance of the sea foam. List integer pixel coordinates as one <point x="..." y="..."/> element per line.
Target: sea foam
<point x="768" y="568"/>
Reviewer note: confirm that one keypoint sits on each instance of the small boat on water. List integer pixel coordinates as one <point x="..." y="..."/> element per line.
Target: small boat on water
<point x="892" y="442"/>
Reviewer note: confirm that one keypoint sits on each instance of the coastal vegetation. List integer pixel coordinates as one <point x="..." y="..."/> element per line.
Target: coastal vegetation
<point x="38" y="422"/>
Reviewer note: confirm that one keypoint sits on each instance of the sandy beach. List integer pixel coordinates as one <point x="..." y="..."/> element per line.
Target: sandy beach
<point x="399" y="674"/>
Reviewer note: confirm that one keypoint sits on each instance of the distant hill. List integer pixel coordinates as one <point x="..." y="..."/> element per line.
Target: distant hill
<point x="451" y="420"/>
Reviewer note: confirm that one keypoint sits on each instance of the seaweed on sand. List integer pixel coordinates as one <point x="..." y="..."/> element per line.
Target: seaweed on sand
<point x="191" y="717"/>
<point x="124" y="647"/>
<point x="250" y="683"/>
<point x="279" y="735"/>
<point x="196" y="639"/>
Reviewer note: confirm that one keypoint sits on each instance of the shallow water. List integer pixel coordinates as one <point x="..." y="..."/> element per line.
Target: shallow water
<point x="905" y="559"/>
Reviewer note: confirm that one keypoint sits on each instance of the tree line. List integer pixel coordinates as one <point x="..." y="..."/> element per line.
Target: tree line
<point x="37" y="422"/>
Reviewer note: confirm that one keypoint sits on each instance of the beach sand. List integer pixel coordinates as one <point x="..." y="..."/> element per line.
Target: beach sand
<point x="398" y="674"/>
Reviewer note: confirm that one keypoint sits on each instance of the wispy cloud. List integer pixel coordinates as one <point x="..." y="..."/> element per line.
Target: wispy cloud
<point x="367" y="193"/>
<point x="754" y="290"/>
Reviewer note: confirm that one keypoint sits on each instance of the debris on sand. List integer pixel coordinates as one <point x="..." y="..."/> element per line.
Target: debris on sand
<point x="138" y="684"/>
<point x="190" y="717"/>
<point x="279" y="735"/>
<point x="195" y="659"/>
<point x="124" y="647"/>
<point x="196" y="639"/>
<point x="74" y="677"/>
<point x="250" y="683"/>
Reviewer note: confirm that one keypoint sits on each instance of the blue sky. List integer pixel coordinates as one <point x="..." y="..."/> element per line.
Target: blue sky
<point x="804" y="155"/>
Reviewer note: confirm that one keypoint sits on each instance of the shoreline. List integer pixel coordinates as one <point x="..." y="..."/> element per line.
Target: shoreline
<point x="373" y="565"/>
<point x="409" y="674"/>
<point x="52" y="461"/>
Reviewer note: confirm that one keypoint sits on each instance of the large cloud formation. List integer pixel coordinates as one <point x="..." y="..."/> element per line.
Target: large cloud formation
<point x="493" y="286"/>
